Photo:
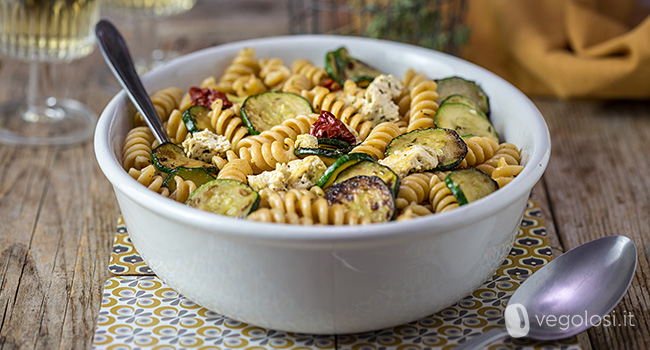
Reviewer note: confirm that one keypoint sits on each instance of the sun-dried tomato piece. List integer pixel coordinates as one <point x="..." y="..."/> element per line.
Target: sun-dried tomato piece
<point x="327" y="126"/>
<point x="331" y="84"/>
<point x="205" y="97"/>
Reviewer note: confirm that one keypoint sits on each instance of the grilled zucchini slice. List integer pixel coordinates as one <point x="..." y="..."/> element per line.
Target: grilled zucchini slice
<point x="263" y="111"/>
<point x="236" y="99"/>
<point x="343" y="162"/>
<point x="333" y="144"/>
<point x="371" y="168"/>
<point x="332" y="64"/>
<point x="449" y="147"/>
<point x="465" y="120"/>
<point x="465" y="100"/>
<point x="225" y="197"/>
<point x="366" y="195"/>
<point x="460" y="86"/>
<point x="321" y="152"/>
<point x="169" y="156"/>
<point x="469" y="185"/>
<point x="341" y="67"/>
<point x="197" y="175"/>
<point x="196" y="118"/>
<point x="329" y="148"/>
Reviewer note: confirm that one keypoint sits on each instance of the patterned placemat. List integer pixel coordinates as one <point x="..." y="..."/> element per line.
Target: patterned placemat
<point x="139" y="311"/>
<point x="125" y="260"/>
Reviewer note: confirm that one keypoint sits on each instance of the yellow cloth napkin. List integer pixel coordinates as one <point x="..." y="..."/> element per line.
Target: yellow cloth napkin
<point x="564" y="48"/>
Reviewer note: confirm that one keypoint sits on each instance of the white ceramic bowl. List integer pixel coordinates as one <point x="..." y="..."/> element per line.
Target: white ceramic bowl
<point x="326" y="279"/>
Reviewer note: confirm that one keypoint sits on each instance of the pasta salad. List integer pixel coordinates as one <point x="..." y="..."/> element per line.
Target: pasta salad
<point x="341" y="143"/>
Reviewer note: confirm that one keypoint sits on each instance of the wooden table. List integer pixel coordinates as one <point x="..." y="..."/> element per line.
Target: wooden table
<point x="58" y="212"/>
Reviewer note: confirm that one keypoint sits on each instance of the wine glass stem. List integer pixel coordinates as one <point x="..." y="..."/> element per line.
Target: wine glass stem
<point x="39" y="99"/>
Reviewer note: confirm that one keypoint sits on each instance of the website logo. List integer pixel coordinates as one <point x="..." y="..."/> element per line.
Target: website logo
<point x="517" y="322"/>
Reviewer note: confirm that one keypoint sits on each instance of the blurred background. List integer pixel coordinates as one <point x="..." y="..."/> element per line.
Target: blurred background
<point x="570" y="49"/>
<point x="437" y="24"/>
<point x="559" y="48"/>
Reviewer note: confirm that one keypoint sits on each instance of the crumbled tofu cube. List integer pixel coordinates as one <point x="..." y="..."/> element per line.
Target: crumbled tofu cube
<point x="304" y="173"/>
<point x="377" y="105"/>
<point x="298" y="174"/>
<point x="388" y="83"/>
<point x="204" y="145"/>
<point x="415" y="158"/>
<point x="306" y="141"/>
<point x="275" y="180"/>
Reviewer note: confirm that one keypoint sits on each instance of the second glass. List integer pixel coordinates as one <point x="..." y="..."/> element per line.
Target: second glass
<point x="144" y="15"/>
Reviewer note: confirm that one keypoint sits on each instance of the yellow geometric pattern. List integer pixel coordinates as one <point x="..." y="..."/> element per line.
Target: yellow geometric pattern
<point x="125" y="260"/>
<point x="140" y="311"/>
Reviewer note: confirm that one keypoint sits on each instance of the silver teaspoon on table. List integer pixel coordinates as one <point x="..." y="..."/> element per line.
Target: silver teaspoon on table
<point x="568" y="295"/>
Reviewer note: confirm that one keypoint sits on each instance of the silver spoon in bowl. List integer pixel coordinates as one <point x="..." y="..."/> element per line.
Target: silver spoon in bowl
<point x="116" y="54"/>
<point x="568" y="295"/>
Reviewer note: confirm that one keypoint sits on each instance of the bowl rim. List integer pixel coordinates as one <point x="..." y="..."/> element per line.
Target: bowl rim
<point x="239" y="228"/>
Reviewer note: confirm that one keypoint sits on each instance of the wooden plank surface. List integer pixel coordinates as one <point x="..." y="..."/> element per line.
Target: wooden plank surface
<point x="597" y="185"/>
<point x="57" y="221"/>
<point x="58" y="212"/>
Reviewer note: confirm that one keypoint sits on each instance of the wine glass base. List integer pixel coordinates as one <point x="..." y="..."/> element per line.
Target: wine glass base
<point x="59" y="122"/>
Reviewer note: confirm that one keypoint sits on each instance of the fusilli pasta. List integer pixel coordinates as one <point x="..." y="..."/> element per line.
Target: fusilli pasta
<point x="297" y="83"/>
<point x="164" y="101"/>
<point x="316" y="75"/>
<point x="183" y="189"/>
<point x="360" y="125"/>
<point x="137" y="148"/>
<point x="507" y="151"/>
<point x="479" y="149"/>
<point x="504" y="173"/>
<point x="243" y="64"/>
<point x="236" y="169"/>
<point x="264" y="157"/>
<point x="290" y="128"/>
<point x="176" y="127"/>
<point x="440" y="197"/>
<point x="413" y="211"/>
<point x="248" y="85"/>
<point x="323" y="100"/>
<point x="350" y="88"/>
<point x="149" y="177"/>
<point x="226" y="122"/>
<point x="273" y="72"/>
<point x="376" y="142"/>
<point x="258" y="160"/>
<point x="317" y="213"/>
<point x="413" y="188"/>
<point x="423" y="105"/>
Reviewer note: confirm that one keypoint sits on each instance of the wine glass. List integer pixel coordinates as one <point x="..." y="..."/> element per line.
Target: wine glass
<point x="145" y="16"/>
<point x="44" y="32"/>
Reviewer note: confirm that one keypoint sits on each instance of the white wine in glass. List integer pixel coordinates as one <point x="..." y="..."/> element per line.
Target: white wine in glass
<point x="145" y="14"/>
<point x="43" y="32"/>
<point x="151" y="8"/>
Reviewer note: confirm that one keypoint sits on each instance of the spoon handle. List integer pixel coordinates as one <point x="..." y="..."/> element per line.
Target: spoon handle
<point x="481" y="341"/>
<point x="116" y="54"/>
